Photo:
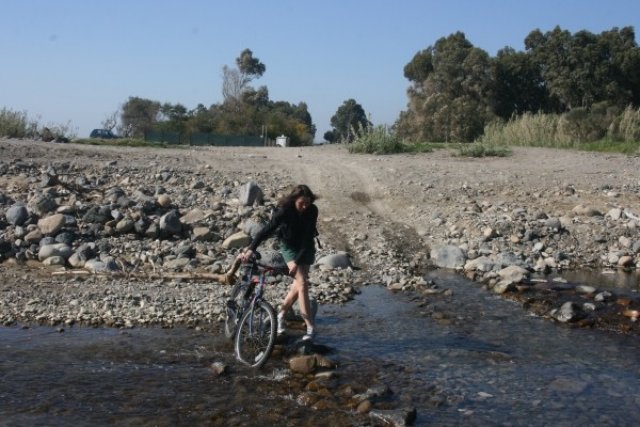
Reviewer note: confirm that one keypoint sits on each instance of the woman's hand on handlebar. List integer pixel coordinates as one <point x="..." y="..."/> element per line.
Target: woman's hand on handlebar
<point x="246" y="255"/>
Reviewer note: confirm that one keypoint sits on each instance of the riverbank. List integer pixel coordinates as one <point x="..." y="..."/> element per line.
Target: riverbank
<point x="151" y="215"/>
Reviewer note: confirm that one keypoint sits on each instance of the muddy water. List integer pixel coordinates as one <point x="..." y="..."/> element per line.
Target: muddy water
<point x="470" y="359"/>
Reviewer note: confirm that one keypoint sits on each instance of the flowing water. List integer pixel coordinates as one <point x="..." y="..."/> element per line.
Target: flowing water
<point x="482" y="361"/>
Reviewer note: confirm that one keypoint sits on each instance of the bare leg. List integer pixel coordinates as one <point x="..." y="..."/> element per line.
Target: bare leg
<point x="300" y="291"/>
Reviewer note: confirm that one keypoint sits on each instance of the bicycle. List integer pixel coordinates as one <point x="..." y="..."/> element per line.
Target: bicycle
<point x="250" y="320"/>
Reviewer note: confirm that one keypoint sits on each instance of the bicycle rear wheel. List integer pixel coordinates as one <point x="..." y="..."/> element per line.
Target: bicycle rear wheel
<point x="256" y="335"/>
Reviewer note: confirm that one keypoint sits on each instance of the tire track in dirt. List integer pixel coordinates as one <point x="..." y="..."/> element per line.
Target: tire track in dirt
<point x="356" y="203"/>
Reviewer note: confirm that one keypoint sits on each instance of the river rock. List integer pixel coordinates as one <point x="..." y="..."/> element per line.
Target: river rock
<point x="448" y="257"/>
<point x="310" y="363"/>
<point x="51" y="224"/>
<point x="237" y="240"/>
<point x="250" y="194"/>
<point x="337" y="260"/>
<point x="164" y="201"/>
<point x="582" y="210"/>
<point x="394" y="417"/>
<point x="42" y="204"/>
<point x="170" y="224"/>
<point x="513" y="274"/>
<point x="57" y="249"/>
<point x="17" y="214"/>
<point x="482" y="263"/>
<point x="565" y="313"/>
<point x="252" y="227"/>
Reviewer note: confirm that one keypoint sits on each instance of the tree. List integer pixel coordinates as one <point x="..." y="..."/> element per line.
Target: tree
<point x="138" y="116"/>
<point x="236" y="80"/>
<point x="518" y="85"/>
<point x="450" y="95"/>
<point x="349" y="118"/>
<point x="582" y="69"/>
<point x="110" y="121"/>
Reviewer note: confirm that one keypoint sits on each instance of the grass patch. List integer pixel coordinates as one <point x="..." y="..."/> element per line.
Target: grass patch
<point x="599" y="129"/>
<point x="475" y="149"/>
<point x="608" y="146"/>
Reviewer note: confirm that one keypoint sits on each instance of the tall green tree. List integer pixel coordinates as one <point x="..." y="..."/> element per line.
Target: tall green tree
<point x="450" y="95"/>
<point x="582" y="69"/>
<point x="138" y="116"/>
<point x="518" y="85"/>
<point x="349" y="118"/>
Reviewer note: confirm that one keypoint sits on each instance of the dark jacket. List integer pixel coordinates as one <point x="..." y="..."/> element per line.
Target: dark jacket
<point x="296" y="230"/>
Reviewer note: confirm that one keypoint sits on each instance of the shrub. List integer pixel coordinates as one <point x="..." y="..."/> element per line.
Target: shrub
<point x="579" y="128"/>
<point x="16" y="124"/>
<point x="626" y="127"/>
<point x="376" y="140"/>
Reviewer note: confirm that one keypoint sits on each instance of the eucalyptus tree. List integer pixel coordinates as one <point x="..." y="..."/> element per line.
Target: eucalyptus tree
<point x="350" y="117"/>
<point x="582" y="69"/>
<point x="450" y="92"/>
<point x="518" y="86"/>
<point x="236" y="80"/>
<point x="138" y="116"/>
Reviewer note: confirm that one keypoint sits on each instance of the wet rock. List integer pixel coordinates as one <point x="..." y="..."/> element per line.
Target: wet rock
<point x="565" y="313"/>
<point x="394" y="417"/>
<point x="310" y="363"/>
<point x="513" y="274"/>
<point x="219" y="368"/>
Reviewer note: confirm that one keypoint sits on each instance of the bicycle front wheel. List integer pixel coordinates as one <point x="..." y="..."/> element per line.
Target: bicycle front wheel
<point x="256" y="335"/>
<point x="233" y="310"/>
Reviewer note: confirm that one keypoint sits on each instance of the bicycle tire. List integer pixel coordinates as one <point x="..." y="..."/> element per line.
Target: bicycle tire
<point x="232" y="309"/>
<point x="256" y="335"/>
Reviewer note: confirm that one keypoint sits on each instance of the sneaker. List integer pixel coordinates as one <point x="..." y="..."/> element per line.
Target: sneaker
<point x="281" y="327"/>
<point x="311" y="334"/>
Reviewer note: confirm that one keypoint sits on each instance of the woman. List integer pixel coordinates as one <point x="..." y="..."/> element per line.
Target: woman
<point x="295" y="220"/>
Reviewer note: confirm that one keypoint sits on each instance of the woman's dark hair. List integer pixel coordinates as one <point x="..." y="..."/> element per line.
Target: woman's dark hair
<point x="300" y="190"/>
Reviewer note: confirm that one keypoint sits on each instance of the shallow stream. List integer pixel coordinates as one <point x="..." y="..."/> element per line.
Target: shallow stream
<point x="469" y="359"/>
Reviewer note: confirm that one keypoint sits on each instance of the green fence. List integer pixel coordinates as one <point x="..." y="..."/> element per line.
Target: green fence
<point x="204" y="139"/>
<point x="162" y="136"/>
<point x="225" y="140"/>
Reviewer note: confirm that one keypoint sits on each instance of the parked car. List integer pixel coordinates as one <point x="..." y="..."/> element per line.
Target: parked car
<point x="103" y="134"/>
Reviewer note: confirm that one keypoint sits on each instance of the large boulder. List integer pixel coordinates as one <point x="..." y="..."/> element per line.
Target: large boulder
<point x="250" y="194"/>
<point x="338" y="260"/>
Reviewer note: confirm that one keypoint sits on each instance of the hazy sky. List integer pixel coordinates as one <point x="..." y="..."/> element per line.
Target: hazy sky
<point x="79" y="60"/>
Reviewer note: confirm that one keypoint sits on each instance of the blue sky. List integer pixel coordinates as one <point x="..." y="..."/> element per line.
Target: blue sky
<point x="78" y="61"/>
